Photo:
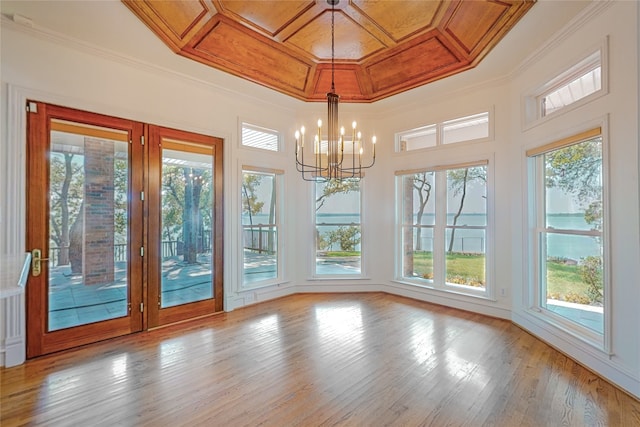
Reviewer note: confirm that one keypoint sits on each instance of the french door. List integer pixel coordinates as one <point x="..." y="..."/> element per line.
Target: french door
<point x="185" y="225"/>
<point x="111" y="254"/>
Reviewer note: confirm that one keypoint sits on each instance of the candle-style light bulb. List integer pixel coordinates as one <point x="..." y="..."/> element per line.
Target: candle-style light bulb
<point x="302" y="133"/>
<point x="354" y="124"/>
<point x="342" y="131"/>
<point x="319" y="123"/>
<point x="359" y="135"/>
<point x="297" y="135"/>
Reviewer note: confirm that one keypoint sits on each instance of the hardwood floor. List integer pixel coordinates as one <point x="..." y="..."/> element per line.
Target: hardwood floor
<point x="317" y="359"/>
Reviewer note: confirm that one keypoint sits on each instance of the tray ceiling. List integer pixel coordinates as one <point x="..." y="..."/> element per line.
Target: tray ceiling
<point x="382" y="47"/>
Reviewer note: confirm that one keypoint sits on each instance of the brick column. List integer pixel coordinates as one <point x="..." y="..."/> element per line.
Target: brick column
<point x="99" y="209"/>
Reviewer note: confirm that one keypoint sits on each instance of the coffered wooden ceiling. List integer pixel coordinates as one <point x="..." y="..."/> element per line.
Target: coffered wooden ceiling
<point x="382" y="47"/>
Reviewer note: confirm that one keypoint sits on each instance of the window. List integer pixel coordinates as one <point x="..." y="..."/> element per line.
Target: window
<point x="568" y="219"/>
<point x="466" y="128"/>
<point x="576" y="85"/>
<point x="443" y="227"/>
<point x="260" y="225"/>
<point x="580" y="81"/>
<point x="261" y="138"/>
<point x="469" y="128"/>
<point x="338" y="231"/>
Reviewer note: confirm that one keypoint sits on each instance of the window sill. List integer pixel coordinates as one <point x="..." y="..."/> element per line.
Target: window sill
<point x="425" y="286"/>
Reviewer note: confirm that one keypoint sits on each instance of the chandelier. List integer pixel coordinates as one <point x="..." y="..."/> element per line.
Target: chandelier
<point x="335" y="158"/>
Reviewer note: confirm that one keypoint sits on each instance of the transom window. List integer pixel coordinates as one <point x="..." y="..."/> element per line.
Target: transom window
<point x="580" y="81"/>
<point x="469" y="128"/>
<point x="259" y="137"/>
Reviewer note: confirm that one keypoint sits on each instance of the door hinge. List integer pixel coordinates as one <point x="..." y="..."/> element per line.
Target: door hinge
<point x="142" y="251"/>
<point x="142" y="195"/>
<point x="141" y="307"/>
<point x="142" y="139"/>
<point x="32" y="107"/>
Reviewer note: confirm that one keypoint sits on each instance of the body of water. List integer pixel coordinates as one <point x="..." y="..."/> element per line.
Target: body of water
<point x="474" y="241"/>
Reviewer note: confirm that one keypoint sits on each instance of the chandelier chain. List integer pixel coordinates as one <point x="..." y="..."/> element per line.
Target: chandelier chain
<point x="330" y="159"/>
<point x="333" y="87"/>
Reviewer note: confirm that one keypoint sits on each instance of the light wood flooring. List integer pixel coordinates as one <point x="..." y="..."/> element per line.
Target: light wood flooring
<point x="317" y="360"/>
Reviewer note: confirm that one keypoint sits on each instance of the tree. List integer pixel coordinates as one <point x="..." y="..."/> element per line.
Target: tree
<point x="172" y="202"/>
<point x="121" y="201"/>
<point x="422" y="184"/>
<point x="590" y="270"/>
<point x="192" y="223"/>
<point x="577" y="170"/>
<point x="250" y="203"/>
<point x="66" y="197"/>
<point x="336" y="186"/>
<point x="348" y="237"/>
<point x="458" y="180"/>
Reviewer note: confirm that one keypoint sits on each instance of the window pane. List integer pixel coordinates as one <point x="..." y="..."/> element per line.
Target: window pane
<point x="418" y="138"/>
<point x="338" y="227"/>
<point x="259" y="224"/>
<point x="573" y="191"/>
<point x="88" y="228"/>
<point x="574" y="279"/>
<point x="419" y="198"/>
<point x="467" y="197"/>
<point x="256" y="137"/>
<point x="466" y="128"/>
<point x="187" y="216"/>
<point x="465" y="259"/>
<point x="586" y="83"/>
<point x="418" y="253"/>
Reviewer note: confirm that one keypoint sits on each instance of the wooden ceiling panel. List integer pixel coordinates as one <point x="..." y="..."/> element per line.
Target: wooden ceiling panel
<point x="235" y="51"/>
<point x="270" y="16"/>
<point x="315" y="38"/>
<point x="347" y="83"/>
<point x="174" y="21"/>
<point x="402" y="18"/>
<point x="382" y="47"/>
<point x="486" y="16"/>
<point x="423" y="61"/>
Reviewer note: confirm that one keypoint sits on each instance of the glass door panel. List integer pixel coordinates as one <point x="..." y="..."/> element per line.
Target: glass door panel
<point x="88" y="225"/>
<point x="186" y="206"/>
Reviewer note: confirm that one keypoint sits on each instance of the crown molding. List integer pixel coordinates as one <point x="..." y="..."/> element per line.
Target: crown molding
<point x="595" y="8"/>
<point x="31" y="29"/>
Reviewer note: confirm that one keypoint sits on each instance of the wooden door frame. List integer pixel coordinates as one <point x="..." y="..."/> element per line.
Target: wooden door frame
<point x="39" y="340"/>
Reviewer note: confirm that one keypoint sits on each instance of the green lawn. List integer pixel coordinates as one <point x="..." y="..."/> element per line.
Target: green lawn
<point x="563" y="281"/>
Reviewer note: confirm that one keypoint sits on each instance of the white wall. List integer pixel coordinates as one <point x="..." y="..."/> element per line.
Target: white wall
<point x="57" y="70"/>
<point x="618" y="112"/>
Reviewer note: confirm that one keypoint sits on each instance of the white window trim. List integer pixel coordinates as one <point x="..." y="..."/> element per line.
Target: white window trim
<point x="531" y="101"/>
<point x="438" y="283"/>
<point x="279" y="279"/>
<point x="532" y="256"/>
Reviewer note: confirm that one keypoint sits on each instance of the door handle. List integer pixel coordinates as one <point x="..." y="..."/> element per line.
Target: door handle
<point x="36" y="259"/>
